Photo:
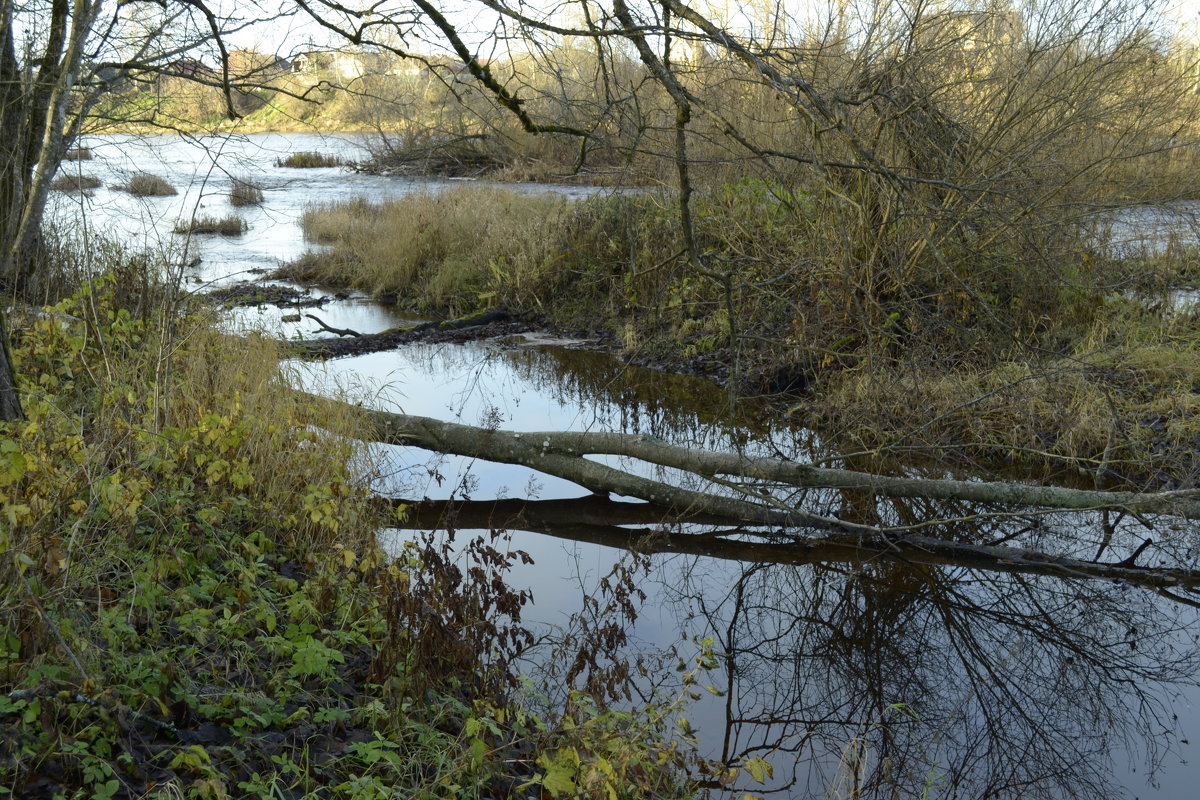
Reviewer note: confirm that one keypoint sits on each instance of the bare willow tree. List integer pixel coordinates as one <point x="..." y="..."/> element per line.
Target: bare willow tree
<point x="59" y="59"/>
<point x="42" y="49"/>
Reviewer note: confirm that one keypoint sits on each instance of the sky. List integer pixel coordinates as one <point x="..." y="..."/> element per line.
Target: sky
<point x="290" y="35"/>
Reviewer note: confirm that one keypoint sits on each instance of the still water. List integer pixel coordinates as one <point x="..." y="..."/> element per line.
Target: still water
<point x="854" y="676"/>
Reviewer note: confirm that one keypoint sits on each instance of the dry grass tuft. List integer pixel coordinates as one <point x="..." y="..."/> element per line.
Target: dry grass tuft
<point x="75" y="183"/>
<point x="244" y="192"/>
<point x="143" y="184"/>
<point x="309" y="159"/>
<point x="225" y="226"/>
<point x="463" y="248"/>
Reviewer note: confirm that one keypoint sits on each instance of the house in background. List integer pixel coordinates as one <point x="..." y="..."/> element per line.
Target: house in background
<point x="189" y="68"/>
<point x="344" y="66"/>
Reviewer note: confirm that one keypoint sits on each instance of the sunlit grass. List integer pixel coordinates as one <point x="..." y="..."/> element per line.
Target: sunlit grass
<point x="309" y="159"/>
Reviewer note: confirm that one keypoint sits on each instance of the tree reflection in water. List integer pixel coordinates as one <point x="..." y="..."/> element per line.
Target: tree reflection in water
<point x="971" y="652"/>
<point x="869" y="669"/>
<point x="1010" y="685"/>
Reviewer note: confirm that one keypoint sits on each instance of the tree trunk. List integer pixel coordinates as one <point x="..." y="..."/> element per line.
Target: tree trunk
<point x="10" y="401"/>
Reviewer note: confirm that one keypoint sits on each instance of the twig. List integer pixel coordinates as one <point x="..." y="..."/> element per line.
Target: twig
<point x="76" y="697"/>
<point x="338" y="331"/>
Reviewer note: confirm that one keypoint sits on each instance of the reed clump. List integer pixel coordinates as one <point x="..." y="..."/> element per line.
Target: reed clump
<point x="457" y="249"/>
<point x="244" y="192"/>
<point x="144" y="184"/>
<point x="231" y="225"/>
<point x="309" y="159"/>
<point x="69" y="182"/>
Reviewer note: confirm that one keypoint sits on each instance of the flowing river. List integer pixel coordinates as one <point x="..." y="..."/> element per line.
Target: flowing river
<point x="847" y="675"/>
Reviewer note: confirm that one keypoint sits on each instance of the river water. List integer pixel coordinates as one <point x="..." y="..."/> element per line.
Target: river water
<point x="852" y="677"/>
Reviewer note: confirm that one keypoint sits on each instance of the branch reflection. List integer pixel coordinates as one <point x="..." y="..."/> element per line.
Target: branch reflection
<point x="886" y="668"/>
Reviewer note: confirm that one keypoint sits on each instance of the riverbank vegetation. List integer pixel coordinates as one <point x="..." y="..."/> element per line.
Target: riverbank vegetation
<point x="854" y="217"/>
<point x="892" y="218"/>
<point x="1099" y="380"/>
<point x="192" y="599"/>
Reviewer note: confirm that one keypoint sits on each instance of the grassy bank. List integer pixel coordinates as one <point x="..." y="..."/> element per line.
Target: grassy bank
<point x="192" y="603"/>
<point x="1035" y="353"/>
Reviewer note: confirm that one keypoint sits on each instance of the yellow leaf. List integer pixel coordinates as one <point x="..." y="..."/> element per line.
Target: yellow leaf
<point x="759" y="769"/>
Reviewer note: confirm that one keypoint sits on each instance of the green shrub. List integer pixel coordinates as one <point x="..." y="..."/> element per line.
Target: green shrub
<point x="191" y="594"/>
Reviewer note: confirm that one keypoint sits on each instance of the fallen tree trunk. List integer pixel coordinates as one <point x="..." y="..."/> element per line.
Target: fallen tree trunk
<point x="562" y="454"/>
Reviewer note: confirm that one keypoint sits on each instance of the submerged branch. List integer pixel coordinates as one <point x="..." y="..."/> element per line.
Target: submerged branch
<point x="493" y="322"/>
<point x="328" y="328"/>
<point x="597" y="520"/>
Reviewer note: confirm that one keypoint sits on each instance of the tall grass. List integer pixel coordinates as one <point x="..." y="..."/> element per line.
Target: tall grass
<point x="231" y="225"/>
<point x="621" y="260"/>
<point x="463" y="247"/>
